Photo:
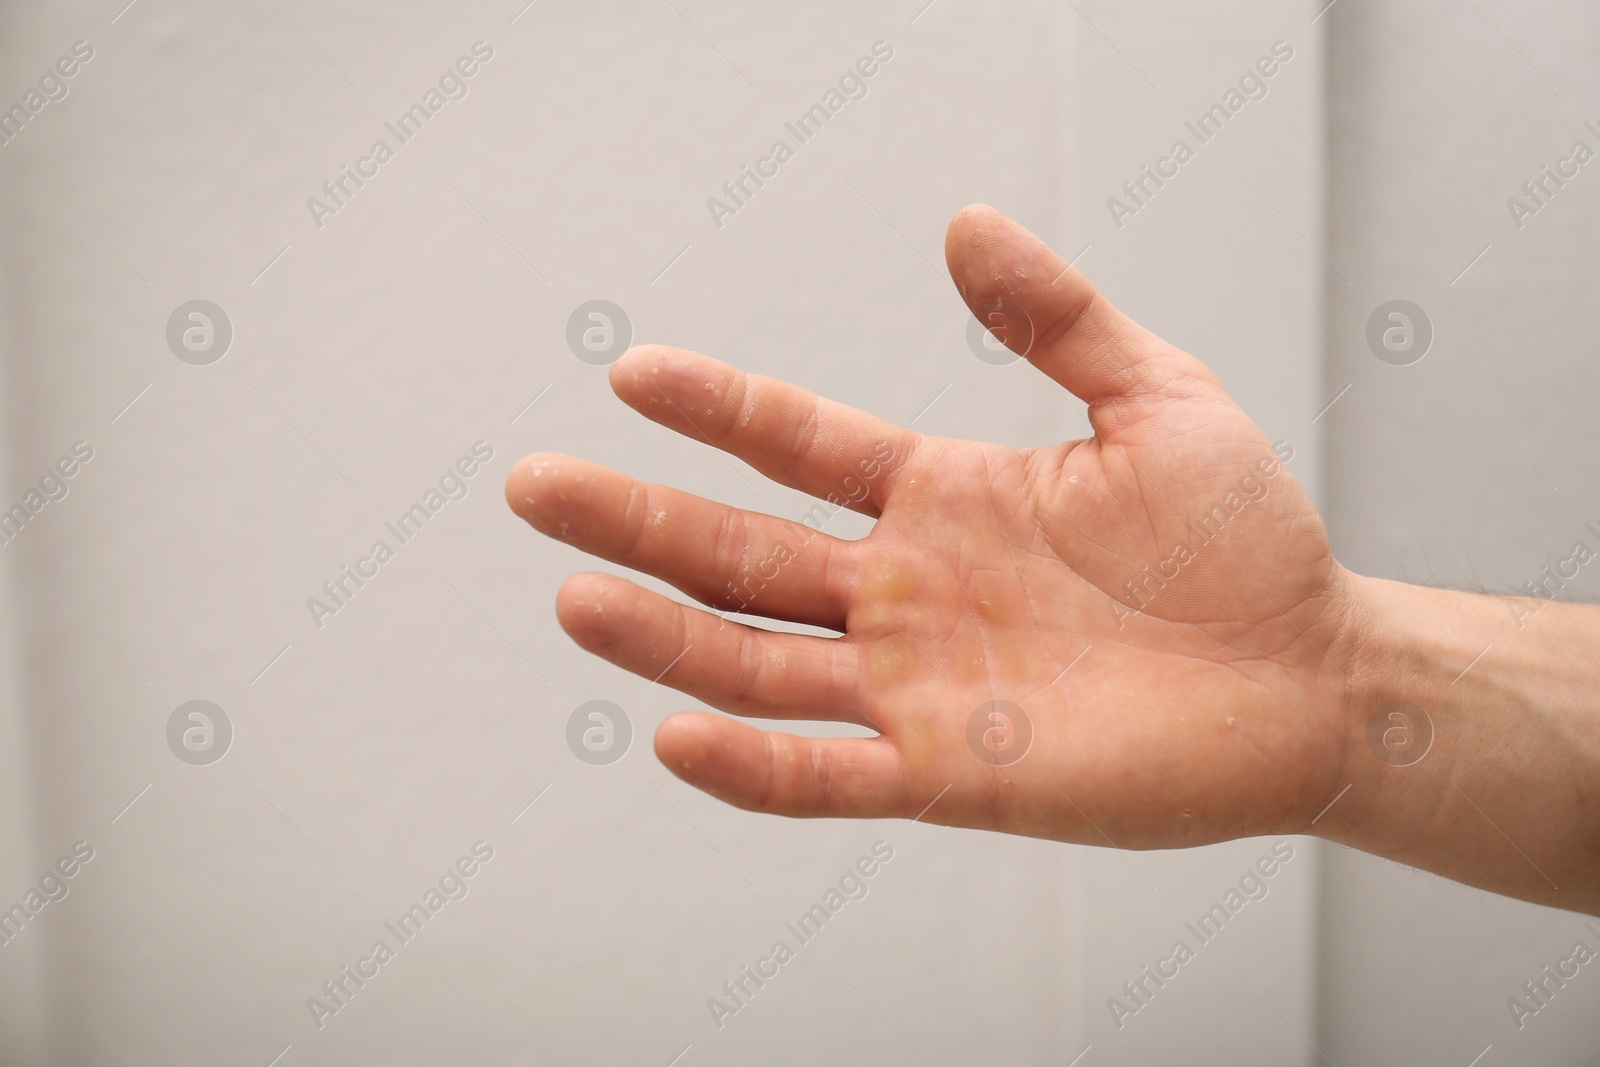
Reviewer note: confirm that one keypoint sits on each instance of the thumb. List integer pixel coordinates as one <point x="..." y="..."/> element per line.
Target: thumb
<point x="1047" y="312"/>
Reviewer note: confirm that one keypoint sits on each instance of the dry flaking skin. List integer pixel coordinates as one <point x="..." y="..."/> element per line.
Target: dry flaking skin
<point x="1164" y="703"/>
<point x="1140" y="638"/>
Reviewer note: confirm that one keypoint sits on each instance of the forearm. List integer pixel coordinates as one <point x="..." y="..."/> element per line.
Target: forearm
<point x="1507" y="795"/>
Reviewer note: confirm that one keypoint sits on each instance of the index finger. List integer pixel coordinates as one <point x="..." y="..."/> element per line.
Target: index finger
<point x="844" y="456"/>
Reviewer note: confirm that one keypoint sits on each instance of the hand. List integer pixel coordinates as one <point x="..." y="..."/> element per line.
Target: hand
<point x="1159" y="600"/>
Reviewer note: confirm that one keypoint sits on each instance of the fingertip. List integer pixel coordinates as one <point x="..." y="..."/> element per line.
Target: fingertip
<point x="991" y="256"/>
<point x="582" y="604"/>
<point x="978" y="233"/>
<point x="526" y="483"/>
<point x="629" y="370"/>
<point x="656" y="377"/>
<point x="543" y="488"/>
<point x="677" y="742"/>
<point x="645" y="373"/>
<point x="516" y="485"/>
<point x="714" y="754"/>
<point x="974" y="218"/>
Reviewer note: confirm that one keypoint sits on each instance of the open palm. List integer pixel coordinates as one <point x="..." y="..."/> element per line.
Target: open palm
<point x="1130" y="639"/>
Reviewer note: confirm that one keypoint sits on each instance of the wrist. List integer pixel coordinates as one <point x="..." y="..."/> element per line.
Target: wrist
<point x="1412" y="651"/>
<point x="1470" y="748"/>
<point x="1417" y="654"/>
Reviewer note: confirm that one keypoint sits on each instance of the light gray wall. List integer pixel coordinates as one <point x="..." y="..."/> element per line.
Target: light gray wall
<point x="428" y="313"/>
<point x="1447" y="471"/>
<point x="20" y="970"/>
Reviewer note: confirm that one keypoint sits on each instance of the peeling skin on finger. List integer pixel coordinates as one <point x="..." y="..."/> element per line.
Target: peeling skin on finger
<point x="534" y="467"/>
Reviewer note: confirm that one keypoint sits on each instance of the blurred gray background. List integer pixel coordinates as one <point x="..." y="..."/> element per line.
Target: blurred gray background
<point x="430" y="313"/>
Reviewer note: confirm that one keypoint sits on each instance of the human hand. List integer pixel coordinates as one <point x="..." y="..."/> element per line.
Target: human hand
<point x="1159" y="600"/>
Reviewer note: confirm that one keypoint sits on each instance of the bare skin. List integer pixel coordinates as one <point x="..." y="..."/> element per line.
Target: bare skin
<point x="1159" y="600"/>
